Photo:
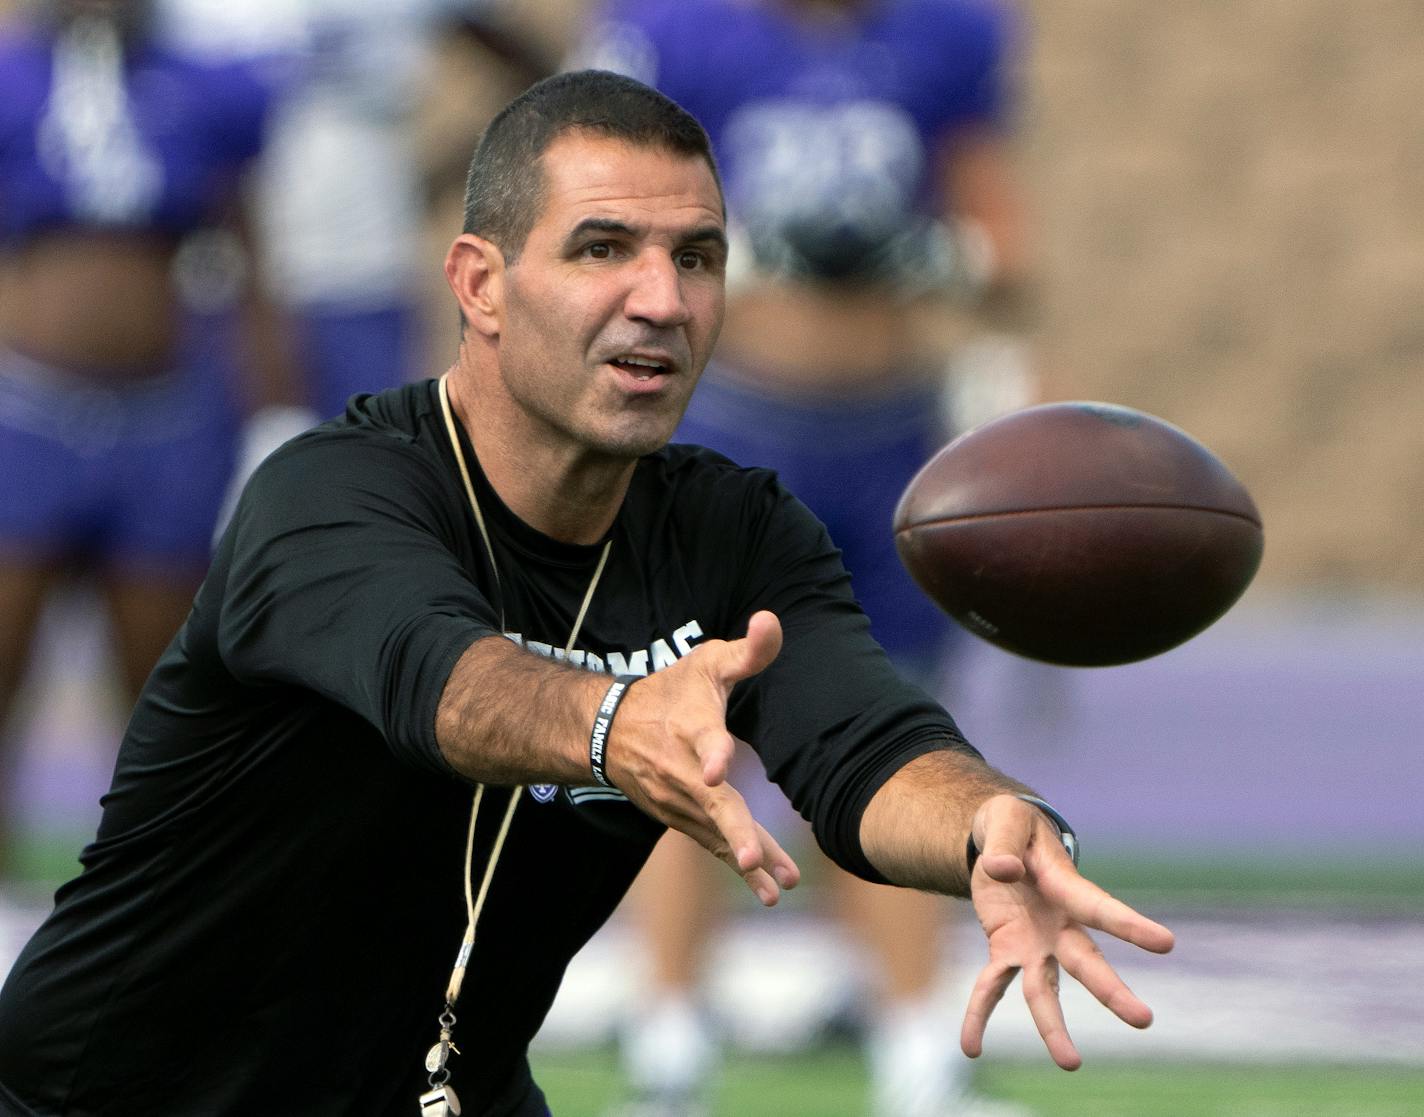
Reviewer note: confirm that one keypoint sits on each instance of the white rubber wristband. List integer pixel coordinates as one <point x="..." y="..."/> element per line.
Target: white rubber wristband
<point x="602" y="724"/>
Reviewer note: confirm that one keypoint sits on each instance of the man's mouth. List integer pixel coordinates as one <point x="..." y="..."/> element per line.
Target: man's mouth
<point x="641" y="368"/>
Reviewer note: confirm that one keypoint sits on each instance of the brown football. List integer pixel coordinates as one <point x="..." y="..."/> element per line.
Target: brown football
<point x="1084" y="534"/>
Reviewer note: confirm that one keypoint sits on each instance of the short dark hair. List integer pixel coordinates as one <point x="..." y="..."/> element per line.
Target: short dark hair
<point x="504" y="191"/>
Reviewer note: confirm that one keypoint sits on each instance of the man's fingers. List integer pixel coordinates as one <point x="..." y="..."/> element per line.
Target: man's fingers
<point x="775" y="872"/>
<point x="777" y="861"/>
<point x="744" y="844"/>
<point x="1005" y="833"/>
<point x="988" y="991"/>
<point x="763" y="887"/>
<point x="1001" y="833"/>
<point x="732" y="820"/>
<point x="1040" y="985"/>
<point x="1124" y="923"/>
<point x="753" y="653"/>
<point x="1091" y="906"/>
<point x="1085" y="962"/>
<point x="715" y="750"/>
<point x="1003" y="866"/>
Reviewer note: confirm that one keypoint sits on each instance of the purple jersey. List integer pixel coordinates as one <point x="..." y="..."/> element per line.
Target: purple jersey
<point x="93" y="134"/>
<point x="826" y="133"/>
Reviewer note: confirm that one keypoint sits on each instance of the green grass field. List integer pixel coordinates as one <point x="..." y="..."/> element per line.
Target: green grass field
<point x="830" y="1083"/>
<point x="1365" y="882"/>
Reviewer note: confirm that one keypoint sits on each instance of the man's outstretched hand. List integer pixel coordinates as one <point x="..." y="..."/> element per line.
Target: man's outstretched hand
<point x="670" y="752"/>
<point x="1035" y="909"/>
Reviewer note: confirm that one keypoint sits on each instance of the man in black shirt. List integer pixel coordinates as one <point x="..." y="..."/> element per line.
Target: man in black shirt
<point x="267" y="917"/>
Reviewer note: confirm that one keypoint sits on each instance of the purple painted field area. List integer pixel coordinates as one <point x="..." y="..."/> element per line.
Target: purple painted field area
<point x="1285" y="728"/>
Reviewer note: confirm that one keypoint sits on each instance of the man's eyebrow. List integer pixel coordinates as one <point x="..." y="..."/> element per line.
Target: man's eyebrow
<point x="601" y="225"/>
<point x="713" y="233"/>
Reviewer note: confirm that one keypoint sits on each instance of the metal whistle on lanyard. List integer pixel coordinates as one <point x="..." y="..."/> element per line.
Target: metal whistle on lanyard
<point x="440" y="1102"/>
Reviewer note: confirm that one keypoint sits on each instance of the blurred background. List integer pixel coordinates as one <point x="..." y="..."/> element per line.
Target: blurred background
<point x="1226" y="205"/>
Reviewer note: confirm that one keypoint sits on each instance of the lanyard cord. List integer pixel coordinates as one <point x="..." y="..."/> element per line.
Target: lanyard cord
<point x="474" y="905"/>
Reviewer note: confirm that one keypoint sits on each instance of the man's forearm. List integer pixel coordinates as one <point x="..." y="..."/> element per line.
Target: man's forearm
<point x="916" y="829"/>
<point x="508" y="716"/>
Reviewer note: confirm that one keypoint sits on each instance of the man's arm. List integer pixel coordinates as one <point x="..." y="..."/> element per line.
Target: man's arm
<point x="1029" y="898"/>
<point x="507" y="716"/>
<point x="981" y="195"/>
<point x="916" y="829"/>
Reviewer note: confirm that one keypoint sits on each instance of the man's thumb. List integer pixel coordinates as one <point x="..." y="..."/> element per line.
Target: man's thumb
<point x="754" y="651"/>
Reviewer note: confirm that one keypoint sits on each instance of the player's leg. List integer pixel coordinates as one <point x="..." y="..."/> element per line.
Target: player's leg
<point x="667" y="1044"/>
<point x="916" y="1068"/>
<point x="25" y="583"/>
<point x="679" y="930"/>
<point x="346" y="351"/>
<point x="910" y="1038"/>
<point x="146" y="608"/>
<point x="912" y="1049"/>
<point x="44" y="474"/>
<point x="39" y="471"/>
<point x="168" y="473"/>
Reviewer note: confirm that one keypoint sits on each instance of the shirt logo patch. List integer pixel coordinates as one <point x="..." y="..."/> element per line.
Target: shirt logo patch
<point x="582" y="795"/>
<point x="544" y="792"/>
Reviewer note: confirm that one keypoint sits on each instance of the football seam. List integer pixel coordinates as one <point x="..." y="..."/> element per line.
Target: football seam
<point x="1074" y="508"/>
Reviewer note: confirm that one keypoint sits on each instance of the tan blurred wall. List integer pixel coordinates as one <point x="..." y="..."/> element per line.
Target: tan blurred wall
<point x="1230" y="202"/>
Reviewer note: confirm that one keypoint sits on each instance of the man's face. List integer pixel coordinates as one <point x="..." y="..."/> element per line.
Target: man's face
<point x="613" y="305"/>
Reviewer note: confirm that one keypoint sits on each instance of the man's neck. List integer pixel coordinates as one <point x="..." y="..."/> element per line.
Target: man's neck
<point x="563" y="494"/>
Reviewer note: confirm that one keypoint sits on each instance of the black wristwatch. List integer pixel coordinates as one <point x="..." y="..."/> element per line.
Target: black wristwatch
<point x="1066" y="833"/>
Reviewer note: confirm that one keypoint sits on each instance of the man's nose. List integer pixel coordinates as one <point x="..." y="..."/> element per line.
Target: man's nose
<point x="655" y="295"/>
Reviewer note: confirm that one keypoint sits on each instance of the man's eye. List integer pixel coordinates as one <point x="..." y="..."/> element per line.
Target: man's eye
<point x="600" y="250"/>
<point x="690" y="260"/>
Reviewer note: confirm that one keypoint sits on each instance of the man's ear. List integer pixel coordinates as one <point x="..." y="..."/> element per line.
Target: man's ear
<point x="474" y="268"/>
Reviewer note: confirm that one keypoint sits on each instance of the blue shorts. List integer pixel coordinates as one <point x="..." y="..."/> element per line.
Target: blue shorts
<point x="848" y="459"/>
<point x="344" y="352"/>
<point x="127" y="474"/>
